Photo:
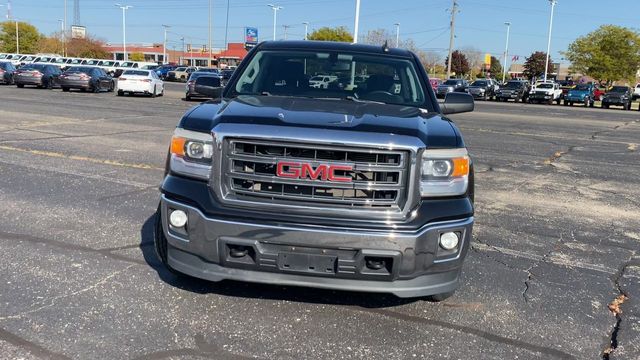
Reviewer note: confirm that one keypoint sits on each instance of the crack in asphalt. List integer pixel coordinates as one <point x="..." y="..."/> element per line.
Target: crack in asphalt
<point x="615" y="307"/>
<point x="469" y="330"/>
<point x="530" y="275"/>
<point x="66" y="246"/>
<point x="47" y="303"/>
<point x="31" y="347"/>
<point x="62" y="137"/>
<point x="203" y="349"/>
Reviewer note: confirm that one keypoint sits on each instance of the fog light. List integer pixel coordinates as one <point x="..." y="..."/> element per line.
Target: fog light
<point x="449" y="240"/>
<point x="178" y="218"/>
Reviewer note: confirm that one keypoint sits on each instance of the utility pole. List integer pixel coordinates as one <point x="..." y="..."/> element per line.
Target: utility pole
<point x="357" y="22"/>
<point x="61" y="21"/>
<point x="124" y="29"/>
<point x="506" y="52"/>
<point x="546" y="62"/>
<point x="306" y="29"/>
<point x="454" y="10"/>
<point x="164" y="45"/>
<point x="397" y="34"/>
<point x="286" y="27"/>
<point x="275" y="17"/>
<point x="182" y="57"/>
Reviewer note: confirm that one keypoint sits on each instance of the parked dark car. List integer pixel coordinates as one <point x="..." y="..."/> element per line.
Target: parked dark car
<point x="191" y="91"/>
<point x="86" y="78"/>
<point x="482" y="89"/>
<point x="452" y="85"/>
<point x="619" y="96"/>
<point x="6" y="72"/>
<point x="163" y="70"/>
<point x="516" y="90"/>
<point x="226" y="76"/>
<point x="40" y="75"/>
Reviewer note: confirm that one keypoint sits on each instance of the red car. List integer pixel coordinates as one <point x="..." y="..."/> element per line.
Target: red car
<point x="435" y="82"/>
<point x="598" y="92"/>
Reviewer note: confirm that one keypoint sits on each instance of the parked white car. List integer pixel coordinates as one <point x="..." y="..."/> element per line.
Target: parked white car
<point x="545" y="92"/>
<point x="321" y="81"/>
<point x="135" y="81"/>
<point x="636" y="92"/>
<point x="109" y="66"/>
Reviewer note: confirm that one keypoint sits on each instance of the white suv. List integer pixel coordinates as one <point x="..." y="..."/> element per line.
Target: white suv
<point x="636" y="92"/>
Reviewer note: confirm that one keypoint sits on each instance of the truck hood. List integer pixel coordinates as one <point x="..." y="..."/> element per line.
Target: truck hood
<point x="431" y="128"/>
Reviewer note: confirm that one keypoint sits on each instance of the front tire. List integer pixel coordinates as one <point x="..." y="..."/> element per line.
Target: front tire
<point x="120" y="93"/>
<point x="440" y="297"/>
<point x="160" y="243"/>
<point x="65" y="89"/>
<point x="154" y="92"/>
<point x="20" y="85"/>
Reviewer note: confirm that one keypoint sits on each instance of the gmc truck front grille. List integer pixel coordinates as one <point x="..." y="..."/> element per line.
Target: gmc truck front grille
<point x="315" y="175"/>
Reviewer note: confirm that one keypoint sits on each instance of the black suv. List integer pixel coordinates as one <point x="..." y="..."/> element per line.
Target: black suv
<point x="365" y="187"/>
<point x="618" y="95"/>
<point x="515" y="90"/>
<point x="482" y="89"/>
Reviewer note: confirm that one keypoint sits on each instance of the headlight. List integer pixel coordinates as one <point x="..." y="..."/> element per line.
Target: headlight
<point x="191" y="153"/>
<point x="445" y="172"/>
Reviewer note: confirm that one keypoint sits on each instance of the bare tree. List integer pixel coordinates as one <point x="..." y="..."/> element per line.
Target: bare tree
<point x="475" y="58"/>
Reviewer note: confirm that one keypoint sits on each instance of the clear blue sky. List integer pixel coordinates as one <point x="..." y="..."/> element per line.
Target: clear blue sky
<point x="479" y="23"/>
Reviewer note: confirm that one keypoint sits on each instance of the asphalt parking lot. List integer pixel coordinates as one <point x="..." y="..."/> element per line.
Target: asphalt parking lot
<point x="555" y="243"/>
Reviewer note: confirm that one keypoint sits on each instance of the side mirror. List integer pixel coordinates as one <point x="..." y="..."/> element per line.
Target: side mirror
<point x="457" y="102"/>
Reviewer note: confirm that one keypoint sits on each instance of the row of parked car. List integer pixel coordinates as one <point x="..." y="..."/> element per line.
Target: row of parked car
<point x="204" y="83"/>
<point x="541" y="92"/>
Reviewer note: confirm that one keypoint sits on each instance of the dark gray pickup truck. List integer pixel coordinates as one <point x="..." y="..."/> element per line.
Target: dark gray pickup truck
<point x="363" y="185"/>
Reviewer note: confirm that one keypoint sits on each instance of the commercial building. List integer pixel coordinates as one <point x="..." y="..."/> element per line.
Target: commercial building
<point x="196" y="57"/>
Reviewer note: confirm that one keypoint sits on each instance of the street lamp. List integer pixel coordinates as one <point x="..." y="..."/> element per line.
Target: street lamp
<point x="275" y="16"/>
<point x="64" y="30"/>
<point x="506" y="51"/>
<point x="306" y="29"/>
<point x="210" y="6"/>
<point x="164" y="46"/>
<point x="17" y="37"/>
<point x="124" y="29"/>
<point x="397" y="34"/>
<point x="355" y="25"/>
<point x="61" y="21"/>
<point x="546" y="63"/>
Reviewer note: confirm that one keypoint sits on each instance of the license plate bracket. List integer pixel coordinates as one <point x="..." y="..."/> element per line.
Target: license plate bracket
<point x="308" y="263"/>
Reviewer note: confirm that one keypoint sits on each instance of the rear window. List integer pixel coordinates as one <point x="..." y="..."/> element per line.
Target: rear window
<point x="208" y="81"/>
<point x="136" y="72"/>
<point x="451" y="82"/>
<point x="38" y="67"/>
<point x="582" y="87"/>
<point x="479" y="83"/>
<point x="618" y="89"/>
<point x="78" y="69"/>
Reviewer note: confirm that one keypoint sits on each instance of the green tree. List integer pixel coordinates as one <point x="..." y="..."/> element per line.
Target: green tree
<point x="534" y="65"/>
<point x="136" y="56"/>
<point x="608" y="54"/>
<point x="28" y="35"/>
<point x="331" y="34"/>
<point x="496" y="68"/>
<point x="460" y="64"/>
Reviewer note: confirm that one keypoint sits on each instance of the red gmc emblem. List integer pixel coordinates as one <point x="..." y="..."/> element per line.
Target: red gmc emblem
<point x="298" y="170"/>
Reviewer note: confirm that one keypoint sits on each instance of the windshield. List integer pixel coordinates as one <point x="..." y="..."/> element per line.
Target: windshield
<point x="513" y="85"/>
<point x="38" y="67"/>
<point x="618" y="89"/>
<point x="544" y="86"/>
<point x="287" y="73"/>
<point x="127" y="64"/>
<point x="581" y="87"/>
<point x="136" y="72"/>
<point x="479" y="83"/>
<point x="181" y="69"/>
<point x="91" y="62"/>
<point x="107" y="63"/>
<point x="450" y="82"/>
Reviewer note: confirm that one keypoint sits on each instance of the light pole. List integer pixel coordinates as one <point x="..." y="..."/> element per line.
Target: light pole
<point x="164" y="46"/>
<point x="182" y="57"/>
<point x="306" y="29"/>
<point x="226" y="29"/>
<point x="124" y="29"/>
<point x="61" y="21"/>
<point x="275" y="17"/>
<point x="546" y="62"/>
<point x="506" y="52"/>
<point x="397" y="34"/>
<point x="356" y="22"/>
<point x="17" y="37"/>
<point x="64" y="30"/>
<point x="210" y="6"/>
<point x="285" y="27"/>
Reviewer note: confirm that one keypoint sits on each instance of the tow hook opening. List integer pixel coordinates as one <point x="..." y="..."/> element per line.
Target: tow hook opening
<point x="378" y="265"/>
<point x="236" y="251"/>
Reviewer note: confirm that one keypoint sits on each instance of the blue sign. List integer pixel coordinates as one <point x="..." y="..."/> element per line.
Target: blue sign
<point x="250" y="36"/>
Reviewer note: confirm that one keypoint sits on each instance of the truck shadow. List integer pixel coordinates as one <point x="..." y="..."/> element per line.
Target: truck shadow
<point x="260" y="291"/>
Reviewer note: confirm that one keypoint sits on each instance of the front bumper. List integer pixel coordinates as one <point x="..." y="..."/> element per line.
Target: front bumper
<point x="322" y="257"/>
<point x="575" y="98"/>
<point x="614" y="101"/>
<point x="540" y="97"/>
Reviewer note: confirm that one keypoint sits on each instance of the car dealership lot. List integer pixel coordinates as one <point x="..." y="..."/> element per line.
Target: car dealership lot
<point x="557" y="230"/>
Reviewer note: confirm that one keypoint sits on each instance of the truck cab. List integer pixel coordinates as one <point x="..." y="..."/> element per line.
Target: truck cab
<point x="362" y="186"/>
